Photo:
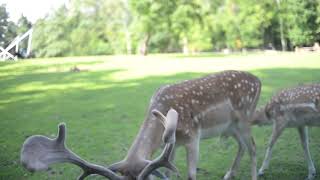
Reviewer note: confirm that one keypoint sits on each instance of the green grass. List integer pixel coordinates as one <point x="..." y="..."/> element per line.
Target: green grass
<point x="104" y="105"/>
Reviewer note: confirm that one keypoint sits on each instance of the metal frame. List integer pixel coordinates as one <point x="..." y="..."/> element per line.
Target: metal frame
<point x="6" y="55"/>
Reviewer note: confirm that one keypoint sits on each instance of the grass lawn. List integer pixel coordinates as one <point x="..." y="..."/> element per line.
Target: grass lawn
<point x="104" y="105"/>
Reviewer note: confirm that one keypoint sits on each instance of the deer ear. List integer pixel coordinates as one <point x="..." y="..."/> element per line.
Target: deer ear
<point x="159" y="116"/>
<point x="172" y="113"/>
<point x="61" y="134"/>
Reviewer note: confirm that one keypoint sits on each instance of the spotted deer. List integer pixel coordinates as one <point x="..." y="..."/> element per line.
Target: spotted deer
<point x="296" y="107"/>
<point x="217" y="104"/>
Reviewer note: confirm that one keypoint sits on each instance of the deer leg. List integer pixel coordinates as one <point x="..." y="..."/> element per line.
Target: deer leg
<point x="249" y="142"/>
<point x="192" y="149"/>
<point x="245" y="135"/>
<point x="241" y="148"/>
<point x="303" y="132"/>
<point x="276" y="132"/>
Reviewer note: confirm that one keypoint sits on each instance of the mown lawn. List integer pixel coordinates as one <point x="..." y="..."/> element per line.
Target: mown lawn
<point x="104" y="105"/>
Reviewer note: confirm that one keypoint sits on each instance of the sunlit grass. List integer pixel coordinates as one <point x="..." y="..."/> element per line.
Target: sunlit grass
<point x="104" y="105"/>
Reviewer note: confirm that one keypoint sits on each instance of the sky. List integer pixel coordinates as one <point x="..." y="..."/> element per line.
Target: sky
<point x="32" y="9"/>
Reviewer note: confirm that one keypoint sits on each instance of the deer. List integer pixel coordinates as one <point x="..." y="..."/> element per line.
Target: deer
<point x="38" y="152"/>
<point x="296" y="107"/>
<point x="219" y="104"/>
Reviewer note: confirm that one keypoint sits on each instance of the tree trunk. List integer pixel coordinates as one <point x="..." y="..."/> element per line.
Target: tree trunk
<point x="127" y="21"/>
<point x="144" y="45"/>
<point x="128" y="42"/>
<point x="283" y="41"/>
<point x="185" y="47"/>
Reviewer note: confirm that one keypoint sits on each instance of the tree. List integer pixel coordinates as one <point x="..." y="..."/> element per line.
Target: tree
<point x="51" y="35"/>
<point x="94" y="27"/>
<point x="85" y="27"/>
<point x="251" y="25"/>
<point x="23" y="25"/>
<point x="150" y="17"/>
<point x="187" y="23"/>
<point x="4" y="15"/>
<point x="301" y="22"/>
<point x="11" y="32"/>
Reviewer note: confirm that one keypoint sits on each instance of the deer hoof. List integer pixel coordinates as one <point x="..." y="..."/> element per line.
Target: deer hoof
<point x="261" y="172"/>
<point x="311" y="176"/>
<point x="229" y="175"/>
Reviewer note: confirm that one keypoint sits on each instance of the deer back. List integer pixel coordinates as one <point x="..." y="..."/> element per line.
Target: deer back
<point x="300" y="104"/>
<point x="215" y="96"/>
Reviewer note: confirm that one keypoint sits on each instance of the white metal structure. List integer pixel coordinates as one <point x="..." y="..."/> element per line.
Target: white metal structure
<point x="6" y="55"/>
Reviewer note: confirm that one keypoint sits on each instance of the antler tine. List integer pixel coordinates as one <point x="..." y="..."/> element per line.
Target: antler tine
<point x="38" y="152"/>
<point x="169" y="138"/>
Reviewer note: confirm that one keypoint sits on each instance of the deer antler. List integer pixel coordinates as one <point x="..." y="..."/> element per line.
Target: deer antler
<point x="38" y="152"/>
<point x="169" y="138"/>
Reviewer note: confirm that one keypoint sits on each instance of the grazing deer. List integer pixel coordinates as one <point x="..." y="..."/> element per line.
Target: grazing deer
<point x="38" y="152"/>
<point x="218" y="104"/>
<point x="293" y="108"/>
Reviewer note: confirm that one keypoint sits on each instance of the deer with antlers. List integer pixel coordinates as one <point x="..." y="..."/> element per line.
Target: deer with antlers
<point x="38" y="152"/>
<point x="296" y="107"/>
<point x="217" y="104"/>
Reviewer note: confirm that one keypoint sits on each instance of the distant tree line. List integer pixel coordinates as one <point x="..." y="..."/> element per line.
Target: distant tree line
<point x="97" y="27"/>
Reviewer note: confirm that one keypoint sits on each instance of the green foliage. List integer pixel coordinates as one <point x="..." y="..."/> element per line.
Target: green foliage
<point x="51" y="37"/>
<point x="318" y="22"/>
<point x="23" y="25"/>
<point x="301" y="21"/>
<point x="199" y="38"/>
<point x="251" y="25"/>
<point x="8" y="30"/>
<point x="86" y="28"/>
<point x="238" y="24"/>
<point x="11" y="32"/>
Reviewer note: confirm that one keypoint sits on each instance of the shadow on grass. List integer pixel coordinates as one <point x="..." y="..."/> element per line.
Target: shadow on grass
<point x="103" y="116"/>
<point x="9" y="70"/>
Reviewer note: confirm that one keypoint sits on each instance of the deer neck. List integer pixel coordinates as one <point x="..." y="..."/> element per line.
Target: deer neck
<point x="147" y="141"/>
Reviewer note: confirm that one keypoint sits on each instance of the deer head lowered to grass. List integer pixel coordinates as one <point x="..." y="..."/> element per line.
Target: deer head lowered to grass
<point x="296" y="107"/>
<point x="38" y="152"/>
<point x="217" y="104"/>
